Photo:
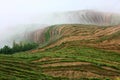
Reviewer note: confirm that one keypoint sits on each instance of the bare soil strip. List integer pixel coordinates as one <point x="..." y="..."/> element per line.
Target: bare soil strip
<point x="71" y="74"/>
<point x="66" y="64"/>
<point x="48" y="59"/>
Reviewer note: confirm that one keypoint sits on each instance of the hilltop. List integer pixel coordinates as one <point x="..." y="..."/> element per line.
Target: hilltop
<point x="103" y="37"/>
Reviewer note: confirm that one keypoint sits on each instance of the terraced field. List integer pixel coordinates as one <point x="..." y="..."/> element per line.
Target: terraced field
<point x="103" y="37"/>
<point x="67" y="61"/>
<point x="12" y="68"/>
<point x="67" y="52"/>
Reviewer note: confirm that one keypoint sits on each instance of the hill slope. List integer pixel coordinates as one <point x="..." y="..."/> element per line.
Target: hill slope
<point x="67" y="52"/>
<point x="104" y="37"/>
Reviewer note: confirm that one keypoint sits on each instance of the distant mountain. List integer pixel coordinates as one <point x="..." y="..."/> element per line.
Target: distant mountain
<point x="82" y="17"/>
<point x="85" y="17"/>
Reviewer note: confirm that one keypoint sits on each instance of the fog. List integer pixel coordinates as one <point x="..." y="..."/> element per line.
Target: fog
<point x="17" y="16"/>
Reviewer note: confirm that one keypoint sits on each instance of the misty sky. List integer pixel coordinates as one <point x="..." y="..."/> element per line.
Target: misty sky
<point x="15" y="12"/>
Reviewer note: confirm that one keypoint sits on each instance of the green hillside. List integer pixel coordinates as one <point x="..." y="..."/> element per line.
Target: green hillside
<point x="69" y="52"/>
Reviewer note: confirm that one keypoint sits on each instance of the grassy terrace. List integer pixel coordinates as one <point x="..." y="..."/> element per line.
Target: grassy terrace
<point x="26" y="65"/>
<point x="12" y="68"/>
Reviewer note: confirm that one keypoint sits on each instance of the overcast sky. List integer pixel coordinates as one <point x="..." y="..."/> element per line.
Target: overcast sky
<point x="14" y="12"/>
<point x="22" y="11"/>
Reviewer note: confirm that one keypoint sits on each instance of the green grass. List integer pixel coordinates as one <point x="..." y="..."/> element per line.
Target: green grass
<point x="12" y="68"/>
<point x="79" y="53"/>
<point x="20" y="66"/>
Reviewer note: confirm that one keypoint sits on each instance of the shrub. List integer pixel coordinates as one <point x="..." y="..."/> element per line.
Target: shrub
<point x="18" y="47"/>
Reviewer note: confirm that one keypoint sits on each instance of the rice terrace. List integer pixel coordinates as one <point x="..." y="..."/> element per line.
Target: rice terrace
<point x="85" y="46"/>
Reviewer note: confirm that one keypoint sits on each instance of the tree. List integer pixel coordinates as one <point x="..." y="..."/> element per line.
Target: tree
<point x="18" y="47"/>
<point x="6" y="49"/>
<point x="0" y="50"/>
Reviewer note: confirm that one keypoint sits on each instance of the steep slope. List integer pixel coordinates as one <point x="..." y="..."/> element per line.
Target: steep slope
<point x="105" y="37"/>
